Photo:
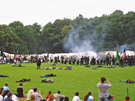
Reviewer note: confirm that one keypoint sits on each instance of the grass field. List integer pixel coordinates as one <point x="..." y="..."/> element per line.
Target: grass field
<point x="80" y="78"/>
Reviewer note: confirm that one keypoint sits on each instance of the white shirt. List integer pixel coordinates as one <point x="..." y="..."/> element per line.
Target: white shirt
<point x="76" y="98"/>
<point x="91" y="97"/>
<point x="53" y="100"/>
<point x="14" y="97"/>
<point x="1" y="98"/>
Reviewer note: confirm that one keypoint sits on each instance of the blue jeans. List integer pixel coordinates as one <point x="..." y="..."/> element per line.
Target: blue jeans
<point x="87" y="63"/>
<point x="81" y="63"/>
<point x="45" y="76"/>
<point x="48" y="75"/>
<point x="38" y="67"/>
<point x="103" y="99"/>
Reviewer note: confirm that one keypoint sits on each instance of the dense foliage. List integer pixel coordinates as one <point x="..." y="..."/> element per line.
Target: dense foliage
<point x="104" y="33"/>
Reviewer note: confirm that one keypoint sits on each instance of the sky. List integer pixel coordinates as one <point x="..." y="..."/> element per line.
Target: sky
<point x="44" y="11"/>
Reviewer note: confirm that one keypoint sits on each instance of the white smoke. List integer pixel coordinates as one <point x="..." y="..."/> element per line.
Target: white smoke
<point x="81" y="40"/>
<point x="74" y="44"/>
<point x="126" y="46"/>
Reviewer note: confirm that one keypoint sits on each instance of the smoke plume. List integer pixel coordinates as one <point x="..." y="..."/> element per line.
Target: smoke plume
<point x="76" y="43"/>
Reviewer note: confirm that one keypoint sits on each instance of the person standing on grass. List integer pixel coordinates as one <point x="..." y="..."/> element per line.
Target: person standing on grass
<point x="38" y="63"/>
<point x="103" y="89"/>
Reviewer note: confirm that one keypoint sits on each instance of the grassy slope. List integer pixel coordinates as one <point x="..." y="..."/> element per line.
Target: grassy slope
<point x="79" y="79"/>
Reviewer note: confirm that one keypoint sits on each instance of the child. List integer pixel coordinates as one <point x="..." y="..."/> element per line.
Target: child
<point x="127" y="98"/>
<point x="110" y="98"/>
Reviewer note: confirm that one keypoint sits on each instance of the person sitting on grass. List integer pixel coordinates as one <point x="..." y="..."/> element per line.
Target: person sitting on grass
<point x="47" y="81"/>
<point x="5" y="95"/>
<point x="9" y="98"/>
<point x="1" y="95"/>
<point x="15" y="61"/>
<point x="127" y="98"/>
<point x="66" y="99"/>
<point x="51" y="98"/>
<point x="37" y="94"/>
<point x="20" y="91"/>
<point x="24" y="80"/>
<point x="3" y="76"/>
<point x="22" y="61"/>
<point x="47" y="96"/>
<point x="30" y="93"/>
<point x="32" y="98"/>
<point x="88" y="97"/>
<point x="68" y="67"/>
<point x="5" y="87"/>
<point x="110" y="98"/>
<point x="47" y="75"/>
<point x="59" y="96"/>
<point x="76" y="97"/>
<point x="2" y="89"/>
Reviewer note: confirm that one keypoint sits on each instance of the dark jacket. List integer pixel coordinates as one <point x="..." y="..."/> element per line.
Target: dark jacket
<point x="39" y="63"/>
<point x="7" y="99"/>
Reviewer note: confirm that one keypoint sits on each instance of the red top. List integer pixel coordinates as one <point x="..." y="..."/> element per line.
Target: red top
<point x="126" y="100"/>
<point x="47" y="96"/>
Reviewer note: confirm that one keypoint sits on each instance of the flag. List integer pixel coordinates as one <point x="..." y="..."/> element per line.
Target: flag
<point x="124" y="54"/>
<point x="117" y="56"/>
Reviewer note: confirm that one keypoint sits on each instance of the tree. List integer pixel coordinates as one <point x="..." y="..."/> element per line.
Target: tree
<point x="8" y="39"/>
<point x="53" y="35"/>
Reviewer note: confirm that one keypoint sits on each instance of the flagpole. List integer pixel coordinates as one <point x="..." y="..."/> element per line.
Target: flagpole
<point x="127" y="92"/>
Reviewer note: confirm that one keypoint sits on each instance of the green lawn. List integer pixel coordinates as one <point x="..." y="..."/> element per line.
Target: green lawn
<point x="80" y="78"/>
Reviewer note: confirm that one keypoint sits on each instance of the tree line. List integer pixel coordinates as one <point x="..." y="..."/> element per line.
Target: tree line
<point x="105" y="33"/>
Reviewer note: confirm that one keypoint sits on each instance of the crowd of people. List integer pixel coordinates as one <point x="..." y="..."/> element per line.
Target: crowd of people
<point x="35" y="95"/>
<point x="75" y="59"/>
